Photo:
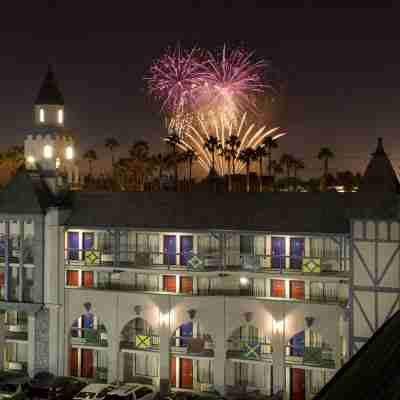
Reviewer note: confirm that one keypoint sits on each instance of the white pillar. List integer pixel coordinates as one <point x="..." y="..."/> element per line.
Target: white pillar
<point x="220" y="347"/>
<point x="165" y="331"/>
<point x="278" y="351"/>
<point x="31" y="344"/>
<point x="113" y="354"/>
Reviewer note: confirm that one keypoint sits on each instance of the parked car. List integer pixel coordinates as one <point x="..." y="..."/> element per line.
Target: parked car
<point x="131" y="391"/>
<point x="50" y="387"/>
<point x="186" y="395"/>
<point x="94" y="391"/>
<point x="14" y="387"/>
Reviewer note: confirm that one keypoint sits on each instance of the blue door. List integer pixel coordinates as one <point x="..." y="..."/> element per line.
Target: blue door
<point x="186" y="332"/>
<point x="297" y="345"/>
<point x="296" y="253"/>
<point x="170" y="249"/>
<point x="186" y="249"/>
<point x="278" y="252"/>
<point x="73" y="245"/>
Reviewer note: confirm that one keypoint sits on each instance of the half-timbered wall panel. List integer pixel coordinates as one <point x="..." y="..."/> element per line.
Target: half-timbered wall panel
<point x="363" y="263"/>
<point x="364" y="314"/>
<point x="388" y="264"/>
<point x="388" y="303"/>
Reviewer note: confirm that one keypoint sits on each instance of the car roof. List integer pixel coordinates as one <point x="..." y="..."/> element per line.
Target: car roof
<point x="96" y="387"/>
<point x="127" y="388"/>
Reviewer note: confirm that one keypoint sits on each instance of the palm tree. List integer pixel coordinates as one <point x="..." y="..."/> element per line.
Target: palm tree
<point x="190" y="157"/>
<point x="233" y="144"/>
<point x="173" y="140"/>
<point x="247" y="156"/>
<point x="225" y="154"/>
<point x="287" y="162"/>
<point x="297" y="165"/>
<point x="325" y="154"/>
<point x="140" y="163"/>
<point x="91" y="157"/>
<point x="112" y="144"/>
<point x="260" y="153"/>
<point x="211" y="144"/>
<point x="270" y="144"/>
<point x="277" y="170"/>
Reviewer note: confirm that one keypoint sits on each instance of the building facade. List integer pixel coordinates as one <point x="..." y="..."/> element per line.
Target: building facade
<point x="236" y="291"/>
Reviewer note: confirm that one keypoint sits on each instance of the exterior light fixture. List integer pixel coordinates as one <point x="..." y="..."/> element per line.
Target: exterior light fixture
<point x="60" y="116"/>
<point x="58" y="162"/>
<point x="41" y="115"/>
<point x="164" y="318"/>
<point x="244" y="281"/>
<point x="48" y="151"/>
<point x="277" y="327"/>
<point x="69" y="153"/>
<point x="30" y="159"/>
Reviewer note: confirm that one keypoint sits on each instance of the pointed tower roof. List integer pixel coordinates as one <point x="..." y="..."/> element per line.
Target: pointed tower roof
<point x="49" y="92"/>
<point x="380" y="177"/>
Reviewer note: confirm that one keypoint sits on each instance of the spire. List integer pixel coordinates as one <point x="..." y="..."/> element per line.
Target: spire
<point x="380" y="177"/>
<point x="49" y="92"/>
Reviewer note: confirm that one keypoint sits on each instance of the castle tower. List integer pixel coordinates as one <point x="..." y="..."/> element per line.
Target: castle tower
<point x="49" y="149"/>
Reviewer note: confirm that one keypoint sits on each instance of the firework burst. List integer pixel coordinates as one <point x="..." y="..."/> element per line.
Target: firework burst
<point x="231" y="140"/>
<point x="176" y="79"/>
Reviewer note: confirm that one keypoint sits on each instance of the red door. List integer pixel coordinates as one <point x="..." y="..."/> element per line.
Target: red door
<point x="297" y="290"/>
<point x="172" y="372"/>
<point x="277" y="288"/>
<point x="170" y="283"/>
<point x="87" y="363"/>
<point x="87" y="279"/>
<point x="186" y="284"/>
<point x="298" y="383"/>
<point x="73" y="361"/>
<point x="186" y="373"/>
<point x="73" y="278"/>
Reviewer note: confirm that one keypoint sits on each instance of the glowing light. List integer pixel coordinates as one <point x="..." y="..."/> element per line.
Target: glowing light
<point x="41" y="115"/>
<point x="164" y="318"/>
<point x="69" y="153"/>
<point x="48" y="151"/>
<point x="30" y="159"/>
<point x="277" y="327"/>
<point x="244" y="281"/>
<point x="58" y="162"/>
<point x="60" y="115"/>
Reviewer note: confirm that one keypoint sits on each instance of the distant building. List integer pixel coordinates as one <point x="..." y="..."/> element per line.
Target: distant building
<point x="235" y="291"/>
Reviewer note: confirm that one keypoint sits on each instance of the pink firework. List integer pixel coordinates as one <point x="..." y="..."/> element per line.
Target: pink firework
<point x="176" y="80"/>
<point x="233" y="81"/>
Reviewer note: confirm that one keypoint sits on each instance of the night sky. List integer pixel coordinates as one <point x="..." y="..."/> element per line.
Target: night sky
<point x="341" y="67"/>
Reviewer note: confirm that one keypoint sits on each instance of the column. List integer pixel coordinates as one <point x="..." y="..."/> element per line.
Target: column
<point x="220" y="346"/>
<point x="278" y="348"/>
<point x="2" y="340"/>
<point x="165" y="310"/>
<point x="7" y="268"/>
<point x="113" y="354"/>
<point x="21" y="274"/>
<point x="31" y="344"/>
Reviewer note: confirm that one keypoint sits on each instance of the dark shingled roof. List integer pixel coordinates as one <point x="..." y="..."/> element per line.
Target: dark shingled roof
<point x="25" y="194"/>
<point x="380" y="175"/>
<point x="49" y="92"/>
<point x="373" y="373"/>
<point x="278" y="212"/>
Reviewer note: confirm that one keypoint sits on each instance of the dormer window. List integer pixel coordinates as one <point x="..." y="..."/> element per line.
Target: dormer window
<point x="41" y="115"/>
<point x="60" y="116"/>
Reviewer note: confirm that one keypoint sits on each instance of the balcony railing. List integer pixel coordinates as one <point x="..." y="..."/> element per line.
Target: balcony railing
<point x="89" y="337"/>
<point x="101" y="374"/>
<point x="195" y="346"/>
<point x="232" y="261"/>
<point x="141" y="342"/>
<point x="20" y="366"/>
<point x="249" y="348"/>
<point x="321" y="357"/>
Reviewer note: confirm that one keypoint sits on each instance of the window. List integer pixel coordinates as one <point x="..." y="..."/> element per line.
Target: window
<point x="69" y="153"/>
<point x="60" y="116"/>
<point x="41" y="115"/>
<point x="297" y="290"/>
<point x="246" y="244"/>
<point x="277" y="288"/>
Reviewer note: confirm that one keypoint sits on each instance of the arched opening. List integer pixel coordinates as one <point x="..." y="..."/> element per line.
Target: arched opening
<point x="139" y="347"/>
<point x="249" y="354"/>
<point x="192" y="350"/>
<point x="88" y="348"/>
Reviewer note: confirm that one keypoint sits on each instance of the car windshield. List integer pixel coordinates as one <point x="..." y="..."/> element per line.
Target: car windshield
<point x="8" y="388"/>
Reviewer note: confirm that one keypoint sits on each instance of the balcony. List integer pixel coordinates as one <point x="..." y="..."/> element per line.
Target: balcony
<point x="17" y="330"/>
<point x="142" y="342"/>
<point x="89" y="337"/>
<point x="101" y="374"/>
<point x="321" y="357"/>
<point x="16" y="366"/>
<point x="258" y="349"/>
<point x="192" y="346"/>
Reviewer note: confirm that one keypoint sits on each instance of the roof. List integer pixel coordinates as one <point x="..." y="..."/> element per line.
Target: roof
<point x="373" y="373"/>
<point x="380" y="175"/>
<point x="278" y="212"/>
<point x="25" y="194"/>
<point x="49" y="92"/>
